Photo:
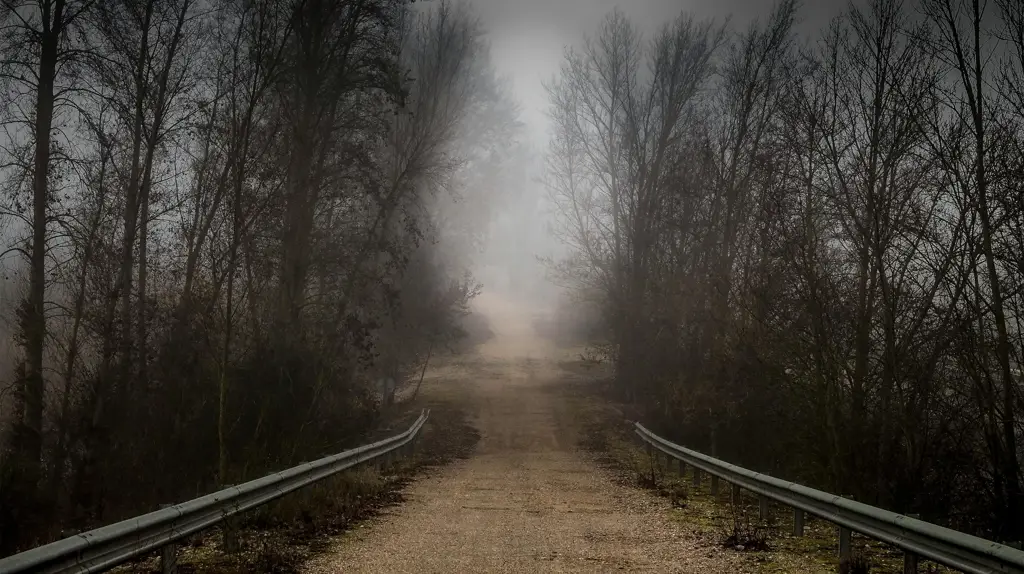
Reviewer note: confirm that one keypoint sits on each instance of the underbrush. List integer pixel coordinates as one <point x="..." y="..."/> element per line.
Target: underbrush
<point x="747" y="534"/>
<point x="767" y="544"/>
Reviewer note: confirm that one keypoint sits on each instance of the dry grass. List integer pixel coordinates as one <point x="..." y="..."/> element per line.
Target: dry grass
<point x="768" y="546"/>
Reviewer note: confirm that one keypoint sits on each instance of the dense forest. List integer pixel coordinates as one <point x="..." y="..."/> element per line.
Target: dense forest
<point x="222" y="222"/>
<point x="808" y="252"/>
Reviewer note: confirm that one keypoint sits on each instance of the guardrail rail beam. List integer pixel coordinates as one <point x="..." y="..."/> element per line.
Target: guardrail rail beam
<point x="112" y="545"/>
<point x="917" y="538"/>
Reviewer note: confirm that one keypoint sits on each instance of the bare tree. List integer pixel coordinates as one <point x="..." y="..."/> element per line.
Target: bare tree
<point x="252" y="218"/>
<point x="617" y="133"/>
<point x="962" y="44"/>
<point x="39" y="44"/>
<point x="828" y="248"/>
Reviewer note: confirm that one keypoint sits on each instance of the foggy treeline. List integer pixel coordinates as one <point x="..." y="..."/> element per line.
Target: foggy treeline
<point x="809" y="252"/>
<point x="223" y="220"/>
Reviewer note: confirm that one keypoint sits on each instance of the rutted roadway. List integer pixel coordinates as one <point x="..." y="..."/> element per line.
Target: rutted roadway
<point x="526" y="500"/>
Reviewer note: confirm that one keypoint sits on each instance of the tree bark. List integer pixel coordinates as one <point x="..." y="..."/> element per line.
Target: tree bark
<point x="30" y="438"/>
<point x="131" y="210"/>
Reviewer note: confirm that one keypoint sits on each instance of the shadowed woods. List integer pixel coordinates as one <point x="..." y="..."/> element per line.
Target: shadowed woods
<point x="221" y="224"/>
<point x="803" y="246"/>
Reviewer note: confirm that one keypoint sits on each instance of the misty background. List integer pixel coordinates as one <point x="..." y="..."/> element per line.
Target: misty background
<point x="528" y="40"/>
<point x="793" y="231"/>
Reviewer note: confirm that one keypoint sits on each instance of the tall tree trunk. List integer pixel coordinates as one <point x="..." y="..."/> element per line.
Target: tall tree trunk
<point x="239" y="163"/>
<point x="969" y="63"/>
<point x="1014" y="523"/>
<point x="131" y="210"/>
<point x="61" y="449"/>
<point x="27" y="440"/>
<point x="141" y="330"/>
<point x="974" y="83"/>
<point x="297" y="229"/>
<point x="20" y="494"/>
<point x="30" y="437"/>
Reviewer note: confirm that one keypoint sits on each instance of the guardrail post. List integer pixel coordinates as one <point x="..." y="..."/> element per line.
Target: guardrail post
<point x="168" y="554"/>
<point x="844" y="538"/>
<point x="762" y="507"/>
<point x="798" y="522"/>
<point x="909" y="558"/>
<point x="169" y="558"/>
<point x="844" y="544"/>
<point x="682" y="468"/>
<point x="735" y="494"/>
<point x="696" y="478"/>
<point x="229" y="532"/>
<point x="909" y="563"/>
<point x="714" y="485"/>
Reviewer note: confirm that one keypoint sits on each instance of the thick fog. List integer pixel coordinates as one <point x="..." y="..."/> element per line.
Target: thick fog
<point x="528" y="40"/>
<point x="787" y="233"/>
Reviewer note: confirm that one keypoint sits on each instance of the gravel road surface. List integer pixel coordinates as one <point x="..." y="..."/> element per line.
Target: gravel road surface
<point x="526" y="500"/>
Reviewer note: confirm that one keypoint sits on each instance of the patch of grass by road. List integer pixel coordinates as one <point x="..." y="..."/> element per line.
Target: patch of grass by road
<point x="769" y="546"/>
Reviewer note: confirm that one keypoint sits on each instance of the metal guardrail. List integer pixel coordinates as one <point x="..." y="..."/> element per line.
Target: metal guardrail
<point x="109" y="546"/>
<point x="916" y="538"/>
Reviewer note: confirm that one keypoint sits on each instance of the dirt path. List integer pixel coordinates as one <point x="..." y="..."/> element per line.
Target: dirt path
<point x="526" y="501"/>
